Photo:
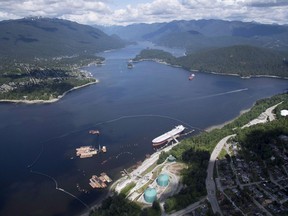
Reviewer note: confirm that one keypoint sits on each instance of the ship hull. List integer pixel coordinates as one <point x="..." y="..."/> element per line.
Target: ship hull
<point x="170" y="135"/>
<point x="159" y="143"/>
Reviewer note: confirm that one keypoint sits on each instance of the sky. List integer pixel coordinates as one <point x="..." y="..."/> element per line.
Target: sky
<point x="125" y="12"/>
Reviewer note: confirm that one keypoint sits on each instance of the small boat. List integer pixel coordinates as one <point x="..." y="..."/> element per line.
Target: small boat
<point x="130" y="65"/>
<point x="103" y="149"/>
<point x="191" y="76"/>
<point x="94" y="132"/>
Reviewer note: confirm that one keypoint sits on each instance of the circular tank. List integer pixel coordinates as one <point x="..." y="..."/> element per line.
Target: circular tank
<point x="171" y="158"/>
<point x="163" y="180"/>
<point x="150" y="195"/>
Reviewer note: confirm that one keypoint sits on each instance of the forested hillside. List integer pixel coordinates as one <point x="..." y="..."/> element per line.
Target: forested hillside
<point x="242" y="60"/>
<point x="40" y="57"/>
<point x="44" y="37"/>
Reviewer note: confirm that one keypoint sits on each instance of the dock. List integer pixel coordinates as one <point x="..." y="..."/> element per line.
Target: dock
<point x="89" y="151"/>
<point x="86" y="151"/>
<point x="106" y="177"/>
<point x="96" y="182"/>
<point x="100" y="182"/>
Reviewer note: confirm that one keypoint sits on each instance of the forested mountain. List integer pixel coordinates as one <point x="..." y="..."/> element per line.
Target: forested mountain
<point x="196" y="35"/>
<point x="44" y="37"/>
<point x="40" y="57"/>
<point x="242" y="60"/>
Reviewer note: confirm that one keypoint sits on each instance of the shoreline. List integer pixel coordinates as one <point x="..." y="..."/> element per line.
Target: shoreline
<point x="146" y="162"/>
<point x="156" y="153"/>
<point x="48" y="101"/>
<point x="211" y="72"/>
<point x="219" y="126"/>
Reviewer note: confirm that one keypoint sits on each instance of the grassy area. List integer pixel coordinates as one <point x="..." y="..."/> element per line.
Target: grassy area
<point x="222" y="154"/>
<point x="141" y="190"/>
<point x="157" y="172"/>
<point x="149" y="169"/>
<point x="125" y="191"/>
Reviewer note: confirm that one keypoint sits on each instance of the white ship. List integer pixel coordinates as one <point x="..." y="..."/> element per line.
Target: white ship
<point x="168" y="136"/>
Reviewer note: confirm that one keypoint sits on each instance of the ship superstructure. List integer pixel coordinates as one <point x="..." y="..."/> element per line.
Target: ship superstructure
<point x="168" y="136"/>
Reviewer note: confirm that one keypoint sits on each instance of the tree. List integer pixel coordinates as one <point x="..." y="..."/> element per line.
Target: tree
<point x="156" y="205"/>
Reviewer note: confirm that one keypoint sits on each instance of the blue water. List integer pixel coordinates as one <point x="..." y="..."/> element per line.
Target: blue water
<point x="130" y="107"/>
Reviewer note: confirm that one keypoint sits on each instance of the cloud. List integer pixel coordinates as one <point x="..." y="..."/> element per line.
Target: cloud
<point x="267" y="3"/>
<point x="101" y="12"/>
<point x="53" y="8"/>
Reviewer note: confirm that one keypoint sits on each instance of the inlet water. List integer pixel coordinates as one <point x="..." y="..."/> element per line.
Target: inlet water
<point x="41" y="174"/>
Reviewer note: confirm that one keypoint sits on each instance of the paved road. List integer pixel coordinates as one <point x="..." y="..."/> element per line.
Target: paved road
<point x="188" y="208"/>
<point x="210" y="184"/>
<point x="269" y="112"/>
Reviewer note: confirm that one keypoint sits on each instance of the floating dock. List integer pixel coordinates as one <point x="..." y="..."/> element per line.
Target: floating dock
<point x="86" y="151"/>
<point x="89" y="151"/>
<point x="99" y="182"/>
<point x="106" y="177"/>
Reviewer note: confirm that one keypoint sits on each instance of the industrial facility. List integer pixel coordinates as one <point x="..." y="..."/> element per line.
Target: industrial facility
<point x="156" y="184"/>
<point x="155" y="190"/>
<point x="163" y="180"/>
<point x="150" y="195"/>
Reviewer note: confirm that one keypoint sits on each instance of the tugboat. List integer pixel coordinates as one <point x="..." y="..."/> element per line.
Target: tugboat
<point x="94" y="132"/>
<point x="191" y="76"/>
<point x="130" y="65"/>
<point x="103" y="149"/>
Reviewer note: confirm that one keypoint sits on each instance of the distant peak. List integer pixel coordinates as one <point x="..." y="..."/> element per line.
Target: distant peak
<point x="34" y="18"/>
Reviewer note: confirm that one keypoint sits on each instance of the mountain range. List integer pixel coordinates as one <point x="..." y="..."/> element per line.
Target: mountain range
<point x="50" y="37"/>
<point x="195" y="35"/>
<point x="44" y="37"/>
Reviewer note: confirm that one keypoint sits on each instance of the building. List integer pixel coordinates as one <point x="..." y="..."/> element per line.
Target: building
<point x="284" y="112"/>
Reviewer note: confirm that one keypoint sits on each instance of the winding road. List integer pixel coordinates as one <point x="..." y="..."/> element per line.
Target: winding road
<point x="210" y="184"/>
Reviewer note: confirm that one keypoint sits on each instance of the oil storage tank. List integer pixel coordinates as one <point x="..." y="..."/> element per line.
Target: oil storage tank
<point x="150" y="195"/>
<point x="163" y="180"/>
